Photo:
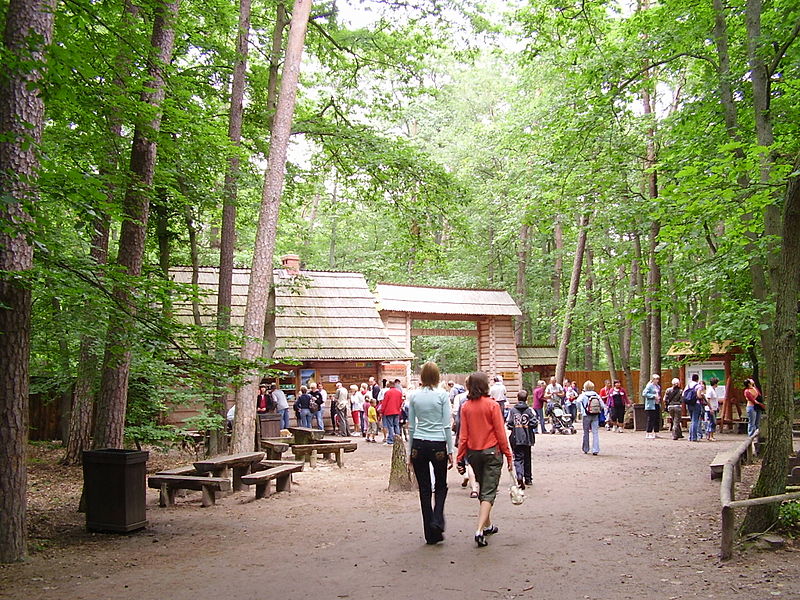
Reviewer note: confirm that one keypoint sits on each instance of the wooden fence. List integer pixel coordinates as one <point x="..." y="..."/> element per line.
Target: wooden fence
<point x="742" y="454"/>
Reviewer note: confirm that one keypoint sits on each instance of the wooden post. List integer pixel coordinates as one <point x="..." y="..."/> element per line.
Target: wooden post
<point x="726" y="541"/>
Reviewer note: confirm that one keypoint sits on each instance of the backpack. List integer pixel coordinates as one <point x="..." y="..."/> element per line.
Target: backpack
<point x="593" y="405"/>
<point x="690" y="396"/>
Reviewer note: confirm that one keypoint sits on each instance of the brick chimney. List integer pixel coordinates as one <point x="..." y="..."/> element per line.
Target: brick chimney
<point x="291" y="262"/>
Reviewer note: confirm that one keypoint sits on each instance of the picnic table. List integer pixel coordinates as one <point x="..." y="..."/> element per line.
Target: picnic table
<point x="306" y="435"/>
<point x="275" y="447"/>
<point x="219" y="466"/>
<point x="336" y="447"/>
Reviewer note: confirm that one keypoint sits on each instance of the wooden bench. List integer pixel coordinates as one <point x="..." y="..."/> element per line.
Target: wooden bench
<point x="240" y="463"/>
<point x="282" y="475"/>
<point x="309" y="452"/>
<point x="718" y="464"/>
<point x="274" y="448"/>
<point x="169" y="483"/>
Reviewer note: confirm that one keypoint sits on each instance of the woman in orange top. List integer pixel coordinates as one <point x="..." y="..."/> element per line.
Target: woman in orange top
<point x="754" y="405"/>
<point x="483" y="441"/>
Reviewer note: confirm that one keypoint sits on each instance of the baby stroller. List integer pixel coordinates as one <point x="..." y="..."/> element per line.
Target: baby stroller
<point x="561" y="421"/>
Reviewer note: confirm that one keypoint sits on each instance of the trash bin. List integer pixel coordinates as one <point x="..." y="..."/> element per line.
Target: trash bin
<point x="639" y="418"/>
<point x="114" y="488"/>
<point x="269" y="425"/>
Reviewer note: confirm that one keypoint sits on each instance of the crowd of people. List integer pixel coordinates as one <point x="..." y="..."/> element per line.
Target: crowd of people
<point x="476" y="425"/>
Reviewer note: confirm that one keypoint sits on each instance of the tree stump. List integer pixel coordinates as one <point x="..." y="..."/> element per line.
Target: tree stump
<point x="401" y="478"/>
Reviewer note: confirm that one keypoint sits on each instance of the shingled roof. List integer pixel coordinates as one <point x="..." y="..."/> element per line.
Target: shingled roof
<point x="537" y="356"/>
<point x="319" y="315"/>
<point x="445" y="301"/>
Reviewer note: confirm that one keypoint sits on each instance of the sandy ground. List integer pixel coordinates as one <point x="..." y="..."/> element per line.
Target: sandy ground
<point x="641" y="520"/>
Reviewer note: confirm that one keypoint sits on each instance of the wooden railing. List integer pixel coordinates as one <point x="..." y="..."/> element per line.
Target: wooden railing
<point x="742" y="454"/>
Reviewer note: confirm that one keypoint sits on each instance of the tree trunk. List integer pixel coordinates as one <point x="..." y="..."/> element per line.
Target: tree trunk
<point x="644" y="326"/>
<point x="558" y="275"/>
<point x="401" y="478"/>
<point x="28" y="32"/>
<point x="332" y="247"/>
<point x="654" y="292"/>
<point x="110" y="425"/>
<point x="779" y="342"/>
<point x="595" y="301"/>
<point x="575" y="281"/>
<point x="281" y="21"/>
<point x="80" y="422"/>
<point x="521" y="287"/>
<point x="588" y="339"/>
<point x="261" y="273"/>
<point x="780" y="368"/>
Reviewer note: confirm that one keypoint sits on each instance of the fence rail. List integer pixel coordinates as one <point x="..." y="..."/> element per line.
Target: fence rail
<point x="742" y="454"/>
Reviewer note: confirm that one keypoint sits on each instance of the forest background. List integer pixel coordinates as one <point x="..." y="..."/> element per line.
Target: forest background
<point x="627" y="171"/>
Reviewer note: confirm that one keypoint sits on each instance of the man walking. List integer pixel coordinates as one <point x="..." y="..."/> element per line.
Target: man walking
<point x="392" y="405"/>
<point x="672" y="398"/>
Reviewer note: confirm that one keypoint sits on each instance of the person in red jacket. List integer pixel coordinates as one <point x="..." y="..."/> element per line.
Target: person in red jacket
<point x="391" y="406"/>
<point x="482" y="440"/>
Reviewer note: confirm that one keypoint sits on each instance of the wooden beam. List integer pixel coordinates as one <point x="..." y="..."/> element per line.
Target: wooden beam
<point x="445" y="332"/>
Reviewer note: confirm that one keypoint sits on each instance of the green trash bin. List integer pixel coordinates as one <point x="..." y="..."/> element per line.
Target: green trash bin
<point x="114" y="487"/>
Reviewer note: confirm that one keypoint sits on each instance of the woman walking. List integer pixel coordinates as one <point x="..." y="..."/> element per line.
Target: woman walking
<point x="652" y="405"/>
<point x="431" y="446"/>
<point x="754" y="405"/>
<point x="482" y="440"/>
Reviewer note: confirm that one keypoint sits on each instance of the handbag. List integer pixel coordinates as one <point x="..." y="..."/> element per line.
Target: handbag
<point x="516" y="493"/>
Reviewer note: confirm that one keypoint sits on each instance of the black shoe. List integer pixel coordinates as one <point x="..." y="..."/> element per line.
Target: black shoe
<point x="435" y="538"/>
<point x="529" y="482"/>
<point x="521" y="484"/>
<point x="481" y="540"/>
<point x="491" y="530"/>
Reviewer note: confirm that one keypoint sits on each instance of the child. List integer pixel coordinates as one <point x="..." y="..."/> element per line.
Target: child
<point x="522" y="423"/>
<point x="372" y="420"/>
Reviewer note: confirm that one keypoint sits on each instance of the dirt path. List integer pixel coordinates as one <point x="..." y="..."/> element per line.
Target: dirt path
<point x="641" y="520"/>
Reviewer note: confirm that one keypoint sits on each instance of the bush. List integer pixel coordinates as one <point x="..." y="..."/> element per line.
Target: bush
<point x="789" y="517"/>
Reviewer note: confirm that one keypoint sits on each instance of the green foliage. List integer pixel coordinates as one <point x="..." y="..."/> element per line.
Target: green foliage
<point x="789" y="518"/>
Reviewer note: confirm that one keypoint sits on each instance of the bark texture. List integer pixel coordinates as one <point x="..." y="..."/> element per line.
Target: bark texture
<point x="575" y="281"/>
<point x="401" y="477"/>
<point x="110" y="425"/>
<point x="261" y="272"/>
<point x="28" y="32"/>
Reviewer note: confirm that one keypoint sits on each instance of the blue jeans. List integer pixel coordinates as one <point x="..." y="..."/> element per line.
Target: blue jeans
<point x="712" y="422"/>
<point x="696" y="414"/>
<point x="753" y="419"/>
<point x="540" y="415"/>
<point x="591" y="423"/>
<point x="318" y="417"/>
<point x="305" y="417"/>
<point x="392" y="427"/>
<point x="284" y="418"/>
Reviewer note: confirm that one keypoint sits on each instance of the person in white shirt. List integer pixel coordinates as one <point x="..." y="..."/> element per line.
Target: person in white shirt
<point x="711" y="408"/>
<point x="498" y="392"/>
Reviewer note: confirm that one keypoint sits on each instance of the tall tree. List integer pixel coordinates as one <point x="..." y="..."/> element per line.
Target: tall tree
<point x="26" y="37"/>
<point x="261" y="271"/>
<point x="783" y="225"/>
<point x="572" y="298"/>
<point x="110" y="425"/>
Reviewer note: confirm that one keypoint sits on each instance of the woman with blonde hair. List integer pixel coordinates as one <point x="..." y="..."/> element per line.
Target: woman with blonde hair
<point x="482" y="439"/>
<point x="430" y="445"/>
